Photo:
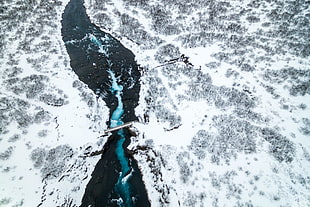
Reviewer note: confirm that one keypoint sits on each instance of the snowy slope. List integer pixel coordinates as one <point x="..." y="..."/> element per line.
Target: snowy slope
<point x="234" y="129"/>
<point x="49" y="119"/>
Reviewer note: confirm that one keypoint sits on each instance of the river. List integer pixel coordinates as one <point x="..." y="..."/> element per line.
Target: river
<point x="110" y="70"/>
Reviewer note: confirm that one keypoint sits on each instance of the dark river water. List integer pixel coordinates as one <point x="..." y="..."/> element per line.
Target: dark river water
<point x="110" y="70"/>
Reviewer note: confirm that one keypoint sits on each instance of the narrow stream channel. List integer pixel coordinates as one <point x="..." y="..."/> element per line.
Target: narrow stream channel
<point x="110" y="70"/>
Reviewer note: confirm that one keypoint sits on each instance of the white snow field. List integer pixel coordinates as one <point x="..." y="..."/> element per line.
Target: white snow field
<point x="231" y="130"/>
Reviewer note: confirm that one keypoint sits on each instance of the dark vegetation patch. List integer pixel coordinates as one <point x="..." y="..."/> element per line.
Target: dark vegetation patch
<point x="301" y="89"/>
<point x="38" y="156"/>
<point x="42" y="133"/>
<point x="253" y="19"/>
<point x="7" y="153"/>
<point x="52" y="99"/>
<point x="5" y="201"/>
<point x="131" y="28"/>
<point x="52" y="162"/>
<point x="192" y="199"/>
<point x="157" y="95"/>
<point x="31" y="85"/>
<point x="17" y="13"/>
<point x="87" y="96"/>
<point x="233" y="136"/>
<point x="248" y="114"/>
<point x="20" y="111"/>
<point x="14" y="138"/>
<point x="232" y="73"/>
<point x="290" y="27"/>
<point x="185" y="170"/>
<point x="226" y="182"/>
<point x="36" y="87"/>
<point x="281" y="148"/>
<point x="161" y="20"/>
<point x="305" y="129"/>
<point x="298" y="79"/>
<point x="13" y="71"/>
<point x="200" y="143"/>
<point x="213" y="65"/>
<point x="167" y="52"/>
<point x="222" y="96"/>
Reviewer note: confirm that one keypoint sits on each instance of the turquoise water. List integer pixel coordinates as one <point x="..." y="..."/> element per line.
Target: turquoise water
<point x="118" y="112"/>
<point x="122" y="186"/>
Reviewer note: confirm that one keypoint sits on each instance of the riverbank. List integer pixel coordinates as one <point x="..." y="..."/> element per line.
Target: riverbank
<point x="49" y="118"/>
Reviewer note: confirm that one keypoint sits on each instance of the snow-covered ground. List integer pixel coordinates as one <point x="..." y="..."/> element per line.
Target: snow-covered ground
<point x="49" y="119"/>
<point x="234" y="129"/>
<point x="231" y="131"/>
